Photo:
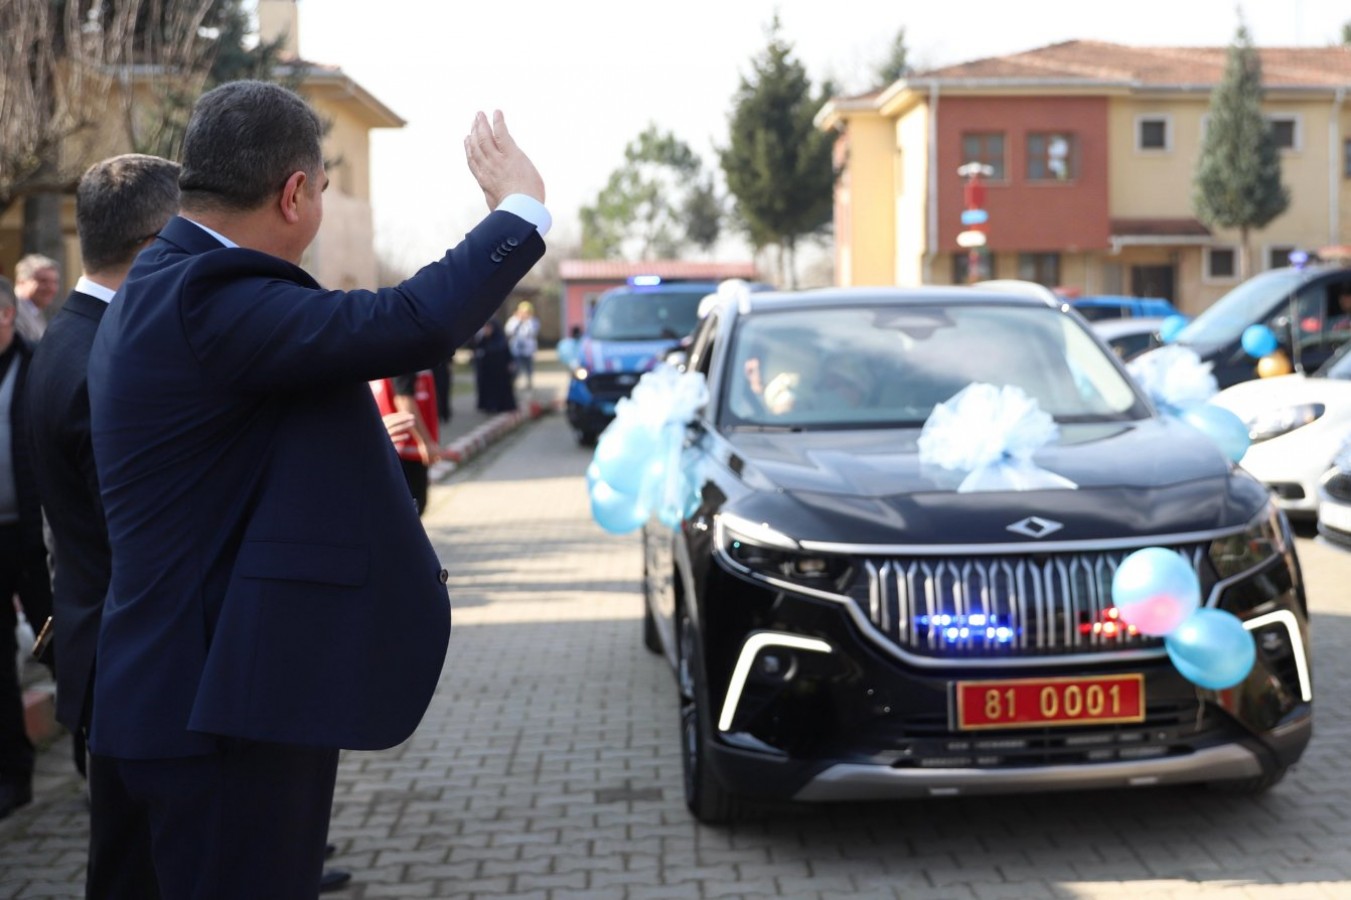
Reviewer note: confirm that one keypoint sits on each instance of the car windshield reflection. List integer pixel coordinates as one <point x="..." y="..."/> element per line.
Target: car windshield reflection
<point x="867" y="367"/>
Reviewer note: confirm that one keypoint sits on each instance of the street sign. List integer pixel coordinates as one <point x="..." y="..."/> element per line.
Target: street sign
<point x="969" y="239"/>
<point x="975" y="217"/>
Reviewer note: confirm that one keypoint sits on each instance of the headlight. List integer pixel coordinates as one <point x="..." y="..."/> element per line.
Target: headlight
<point x="1266" y="425"/>
<point x="580" y="374"/>
<point x="1264" y="538"/>
<point x="757" y="548"/>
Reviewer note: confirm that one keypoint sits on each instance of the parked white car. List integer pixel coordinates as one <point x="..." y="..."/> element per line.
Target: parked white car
<point x="1334" y="499"/>
<point x="1297" y="424"/>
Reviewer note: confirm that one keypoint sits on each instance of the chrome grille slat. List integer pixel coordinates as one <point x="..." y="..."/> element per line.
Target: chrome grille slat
<point x="1050" y="601"/>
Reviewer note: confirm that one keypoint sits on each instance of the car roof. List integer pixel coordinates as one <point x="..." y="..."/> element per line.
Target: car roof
<point x="1110" y="328"/>
<point x="927" y="295"/>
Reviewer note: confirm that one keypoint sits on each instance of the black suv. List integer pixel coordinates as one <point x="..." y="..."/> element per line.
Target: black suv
<point x="844" y="623"/>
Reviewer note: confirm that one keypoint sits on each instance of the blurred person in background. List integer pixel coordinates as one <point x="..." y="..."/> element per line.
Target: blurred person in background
<point x="37" y="279"/>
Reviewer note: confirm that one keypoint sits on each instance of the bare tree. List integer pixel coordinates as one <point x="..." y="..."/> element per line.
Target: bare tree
<point x="171" y="66"/>
<point x="60" y="62"/>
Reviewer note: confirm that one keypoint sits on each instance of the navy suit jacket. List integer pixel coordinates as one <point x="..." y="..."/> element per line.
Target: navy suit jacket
<point x="271" y="578"/>
<point x="57" y="402"/>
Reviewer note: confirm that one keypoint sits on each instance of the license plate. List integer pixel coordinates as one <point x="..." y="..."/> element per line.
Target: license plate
<point x="1033" y="702"/>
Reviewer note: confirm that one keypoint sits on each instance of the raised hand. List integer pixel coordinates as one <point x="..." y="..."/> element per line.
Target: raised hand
<point x="499" y="166"/>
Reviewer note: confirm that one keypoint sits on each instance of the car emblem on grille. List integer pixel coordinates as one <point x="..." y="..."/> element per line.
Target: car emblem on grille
<point x="626" y="379"/>
<point x="1035" y="527"/>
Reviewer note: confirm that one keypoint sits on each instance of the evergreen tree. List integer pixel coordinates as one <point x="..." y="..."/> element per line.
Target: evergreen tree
<point x="655" y="205"/>
<point x="1238" y="175"/>
<point x="777" y="164"/>
<point x="897" y="64"/>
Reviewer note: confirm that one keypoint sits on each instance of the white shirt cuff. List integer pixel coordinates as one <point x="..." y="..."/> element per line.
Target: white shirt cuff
<point x="530" y="209"/>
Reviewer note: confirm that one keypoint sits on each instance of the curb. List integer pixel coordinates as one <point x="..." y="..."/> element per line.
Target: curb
<point x="466" y="447"/>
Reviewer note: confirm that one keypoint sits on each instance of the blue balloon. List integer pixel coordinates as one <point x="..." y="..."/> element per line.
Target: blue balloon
<point x="616" y="512"/>
<point x="1171" y="326"/>
<point x="1212" y="649"/>
<point x="1221" y="426"/>
<point x="1155" y="590"/>
<point x="623" y="455"/>
<point x="1259" y="340"/>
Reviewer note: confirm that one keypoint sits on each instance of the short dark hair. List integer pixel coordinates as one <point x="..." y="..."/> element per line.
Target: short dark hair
<point x="119" y="203"/>
<point x="8" y="299"/>
<point x="245" y="138"/>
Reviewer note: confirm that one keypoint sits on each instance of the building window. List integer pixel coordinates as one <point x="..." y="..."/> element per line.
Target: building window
<point x="1285" y="131"/>
<point x="961" y="267"/>
<point x="1346" y="159"/>
<point x="1043" y="268"/>
<point x="1278" y="257"/>
<point x="986" y="148"/>
<point x="1051" y="156"/>
<point x="1221" y="263"/>
<point x="1153" y="133"/>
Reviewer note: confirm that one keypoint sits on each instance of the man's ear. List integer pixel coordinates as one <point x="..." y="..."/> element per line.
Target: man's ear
<point x="290" y="197"/>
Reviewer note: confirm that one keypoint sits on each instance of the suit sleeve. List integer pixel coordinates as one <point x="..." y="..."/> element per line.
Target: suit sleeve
<point x="253" y="324"/>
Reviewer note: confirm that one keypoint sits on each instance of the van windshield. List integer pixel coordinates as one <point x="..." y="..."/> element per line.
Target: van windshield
<point x="1250" y="303"/>
<point x="666" y="313"/>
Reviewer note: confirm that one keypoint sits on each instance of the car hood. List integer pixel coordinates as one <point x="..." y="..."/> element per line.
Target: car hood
<point x="1150" y="477"/>
<point x="622" y="356"/>
<point x="1270" y="394"/>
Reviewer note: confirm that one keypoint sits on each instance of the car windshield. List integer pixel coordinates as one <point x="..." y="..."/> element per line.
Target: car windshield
<point x="637" y="314"/>
<point x="1223" y="321"/>
<point x="875" y="366"/>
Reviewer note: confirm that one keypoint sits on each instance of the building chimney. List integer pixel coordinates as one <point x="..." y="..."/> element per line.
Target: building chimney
<point x="280" y="18"/>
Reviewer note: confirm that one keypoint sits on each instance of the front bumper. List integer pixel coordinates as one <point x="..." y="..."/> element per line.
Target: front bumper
<point x="1291" y="466"/>
<point x="1226" y="762"/>
<point x="804" y="706"/>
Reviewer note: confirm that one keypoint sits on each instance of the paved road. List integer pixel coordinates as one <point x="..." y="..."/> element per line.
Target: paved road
<point x="547" y="766"/>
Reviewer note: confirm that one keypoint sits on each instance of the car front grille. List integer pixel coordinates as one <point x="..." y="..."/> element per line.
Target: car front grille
<point x="1000" y="607"/>
<point x="611" y="386"/>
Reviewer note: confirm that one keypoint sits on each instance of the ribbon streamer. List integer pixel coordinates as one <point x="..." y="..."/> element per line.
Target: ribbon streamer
<point x="991" y="433"/>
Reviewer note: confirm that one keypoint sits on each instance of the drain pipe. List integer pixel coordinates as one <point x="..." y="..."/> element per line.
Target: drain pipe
<point x="931" y="250"/>
<point x="1334" y="167"/>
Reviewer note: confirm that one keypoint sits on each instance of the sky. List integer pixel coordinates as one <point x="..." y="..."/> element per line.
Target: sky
<point x="578" y="80"/>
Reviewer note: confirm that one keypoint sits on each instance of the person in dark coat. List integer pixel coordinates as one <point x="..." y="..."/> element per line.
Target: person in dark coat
<point x="493" y="369"/>
<point x="23" y="556"/>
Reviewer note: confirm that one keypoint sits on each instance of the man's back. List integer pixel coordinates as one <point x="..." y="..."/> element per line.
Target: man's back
<point x="63" y="467"/>
<point x="271" y="578"/>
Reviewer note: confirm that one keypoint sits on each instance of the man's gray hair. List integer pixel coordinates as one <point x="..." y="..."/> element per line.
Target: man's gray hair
<point x="8" y="299"/>
<point x="30" y="265"/>
<point x="119" y="204"/>
<point x="245" y="138"/>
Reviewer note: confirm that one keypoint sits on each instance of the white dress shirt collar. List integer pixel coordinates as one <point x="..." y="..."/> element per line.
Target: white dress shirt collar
<point x="215" y="234"/>
<point x="94" y="289"/>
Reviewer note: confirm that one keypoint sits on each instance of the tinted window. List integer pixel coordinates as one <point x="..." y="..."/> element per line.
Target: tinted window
<point x="1249" y="303"/>
<point x="874" y="365"/>
<point x="667" y="313"/>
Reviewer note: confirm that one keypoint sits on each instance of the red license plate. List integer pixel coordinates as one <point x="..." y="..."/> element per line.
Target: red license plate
<point x="1031" y="702"/>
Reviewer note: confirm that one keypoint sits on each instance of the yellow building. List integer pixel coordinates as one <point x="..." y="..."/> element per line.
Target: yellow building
<point x="1091" y="149"/>
<point x="343" y="254"/>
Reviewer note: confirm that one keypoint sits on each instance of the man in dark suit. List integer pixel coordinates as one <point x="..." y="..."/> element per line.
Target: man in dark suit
<point x="120" y="205"/>
<point x="274" y="596"/>
<point x="23" y="557"/>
